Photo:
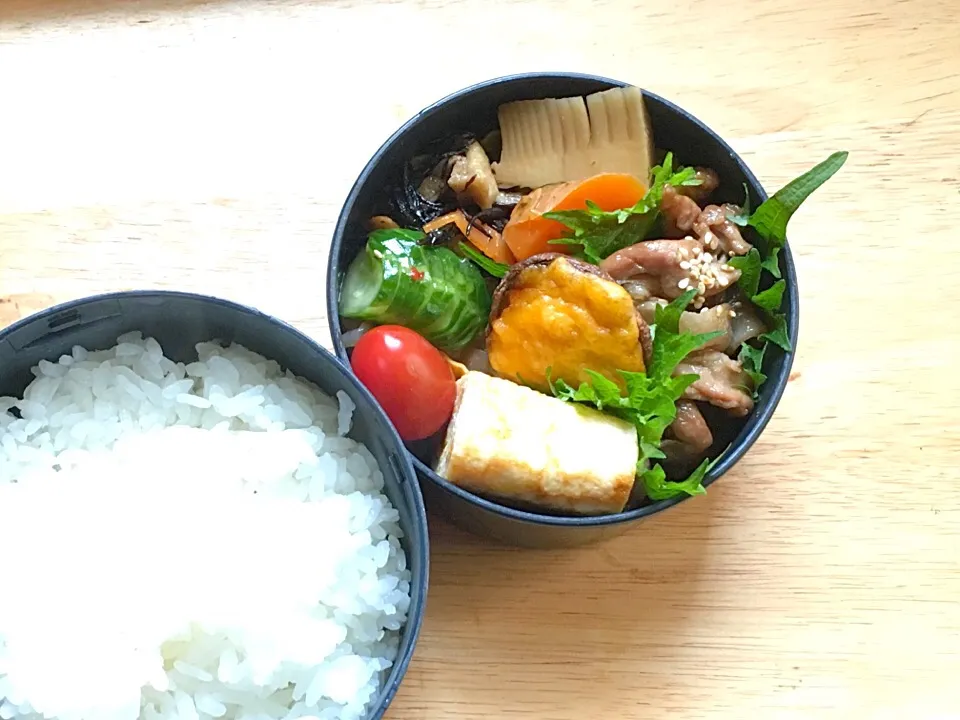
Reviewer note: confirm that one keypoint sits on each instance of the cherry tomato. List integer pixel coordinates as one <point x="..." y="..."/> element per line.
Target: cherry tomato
<point x="408" y="376"/>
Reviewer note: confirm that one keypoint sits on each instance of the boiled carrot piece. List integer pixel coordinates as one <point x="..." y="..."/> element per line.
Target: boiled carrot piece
<point x="483" y="237"/>
<point x="528" y="233"/>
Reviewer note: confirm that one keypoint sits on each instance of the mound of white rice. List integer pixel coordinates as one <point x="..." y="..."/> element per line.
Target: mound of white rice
<point x="191" y="541"/>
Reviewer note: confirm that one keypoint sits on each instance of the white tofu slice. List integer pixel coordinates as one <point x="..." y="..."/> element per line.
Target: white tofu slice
<point x="510" y="441"/>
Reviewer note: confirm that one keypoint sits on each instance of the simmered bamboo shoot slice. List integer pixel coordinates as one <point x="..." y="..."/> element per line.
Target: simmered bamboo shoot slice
<point x="568" y="139"/>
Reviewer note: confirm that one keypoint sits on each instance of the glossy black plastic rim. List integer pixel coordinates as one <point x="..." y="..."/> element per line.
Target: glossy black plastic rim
<point x="755" y="424"/>
<point x="416" y="612"/>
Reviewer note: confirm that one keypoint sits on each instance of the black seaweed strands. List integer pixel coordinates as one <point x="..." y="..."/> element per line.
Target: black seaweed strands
<point x="410" y="208"/>
<point x="421" y="193"/>
<point x="496" y="217"/>
<point x="448" y="235"/>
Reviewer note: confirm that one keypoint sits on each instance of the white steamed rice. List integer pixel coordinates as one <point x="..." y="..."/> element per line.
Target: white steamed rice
<point x="191" y="541"/>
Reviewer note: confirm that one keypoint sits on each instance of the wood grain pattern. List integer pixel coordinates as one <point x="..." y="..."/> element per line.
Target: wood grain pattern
<point x="208" y="147"/>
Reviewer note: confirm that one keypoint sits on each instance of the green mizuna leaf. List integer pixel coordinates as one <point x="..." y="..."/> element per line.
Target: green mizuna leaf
<point x="778" y="335"/>
<point x="752" y="360"/>
<point x="659" y="488"/>
<point x="771" y="263"/>
<point x="601" y="392"/>
<point x="769" y="301"/>
<point x="742" y="218"/>
<point x="771" y="298"/>
<point x="602" y="235"/>
<point x="750" y="266"/>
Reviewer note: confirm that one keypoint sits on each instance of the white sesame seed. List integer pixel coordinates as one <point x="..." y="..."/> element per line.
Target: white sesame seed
<point x="685" y="265"/>
<point x="701" y="288"/>
<point x="696" y="250"/>
<point x="683" y="254"/>
<point x="707" y="257"/>
<point x="733" y="313"/>
<point x="726" y="268"/>
<point x="684" y="284"/>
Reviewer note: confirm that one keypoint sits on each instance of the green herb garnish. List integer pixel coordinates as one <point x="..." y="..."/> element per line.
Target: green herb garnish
<point x="651" y="396"/>
<point x="778" y="334"/>
<point x="749" y="266"/>
<point x="751" y="358"/>
<point x="601" y="233"/>
<point x="771" y="298"/>
<point x="770" y="222"/>
<point x="498" y="270"/>
<point x="742" y="218"/>
<point x="771" y="218"/>
<point x="768" y="301"/>
<point x="659" y="488"/>
<point x="771" y="263"/>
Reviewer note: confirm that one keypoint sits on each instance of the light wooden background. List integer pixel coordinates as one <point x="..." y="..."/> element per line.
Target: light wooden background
<point x="208" y="147"/>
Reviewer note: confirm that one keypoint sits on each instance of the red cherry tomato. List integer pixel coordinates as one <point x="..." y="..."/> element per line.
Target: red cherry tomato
<point x="408" y="376"/>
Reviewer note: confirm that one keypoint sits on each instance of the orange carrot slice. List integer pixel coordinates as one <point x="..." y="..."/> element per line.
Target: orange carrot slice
<point x="529" y="233"/>
<point x="483" y="237"/>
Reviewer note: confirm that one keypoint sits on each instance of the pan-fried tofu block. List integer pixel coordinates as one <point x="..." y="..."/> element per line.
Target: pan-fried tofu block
<point x="510" y="441"/>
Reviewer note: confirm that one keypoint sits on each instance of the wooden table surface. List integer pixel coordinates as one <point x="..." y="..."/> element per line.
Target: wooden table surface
<point x="208" y="147"/>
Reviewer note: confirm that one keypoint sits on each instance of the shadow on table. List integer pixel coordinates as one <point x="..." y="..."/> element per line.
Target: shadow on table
<point x="26" y="11"/>
<point x="545" y="619"/>
<point x="131" y="11"/>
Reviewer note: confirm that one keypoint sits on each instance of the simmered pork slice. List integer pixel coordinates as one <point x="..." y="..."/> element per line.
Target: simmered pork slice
<point x="690" y="428"/>
<point x="659" y="258"/>
<point x="679" y="211"/>
<point x="709" y="181"/>
<point x="718" y="232"/>
<point x="712" y="226"/>
<point x="679" y="264"/>
<point x="643" y="289"/>
<point x="722" y="381"/>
